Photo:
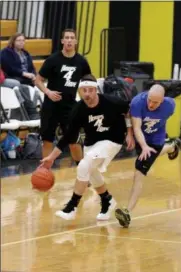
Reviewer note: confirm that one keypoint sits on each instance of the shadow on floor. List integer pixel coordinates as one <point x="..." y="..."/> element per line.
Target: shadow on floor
<point x="20" y="167"/>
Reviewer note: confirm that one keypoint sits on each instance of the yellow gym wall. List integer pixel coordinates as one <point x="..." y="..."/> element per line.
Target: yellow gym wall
<point x="156" y="35"/>
<point x="101" y="22"/>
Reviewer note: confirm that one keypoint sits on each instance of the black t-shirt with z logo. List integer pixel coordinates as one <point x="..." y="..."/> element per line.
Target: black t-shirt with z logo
<point x="64" y="73"/>
<point x="106" y="121"/>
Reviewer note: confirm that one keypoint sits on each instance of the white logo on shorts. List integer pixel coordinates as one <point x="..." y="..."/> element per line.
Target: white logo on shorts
<point x="98" y="122"/>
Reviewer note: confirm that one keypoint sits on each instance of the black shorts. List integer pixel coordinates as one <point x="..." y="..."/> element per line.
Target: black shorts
<point x="54" y="114"/>
<point x="145" y="165"/>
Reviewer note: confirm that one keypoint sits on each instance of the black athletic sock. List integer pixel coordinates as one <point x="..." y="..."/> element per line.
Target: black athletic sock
<point x="75" y="199"/>
<point x="73" y="203"/>
<point x="105" y="196"/>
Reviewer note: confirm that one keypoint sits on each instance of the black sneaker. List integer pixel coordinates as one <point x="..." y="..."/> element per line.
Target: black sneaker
<point x="177" y="143"/>
<point x="107" y="206"/>
<point x="69" y="212"/>
<point x="123" y="216"/>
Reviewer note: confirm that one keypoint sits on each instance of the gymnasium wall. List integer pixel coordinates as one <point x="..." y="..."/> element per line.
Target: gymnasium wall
<point x="153" y="32"/>
<point x="101" y="21"/>
<point x="151" y="29"/>
<point x="29" y="14"/>
<point x="127" y="15"/>
<point x="176" y="58"/>
<point x="156" y="36"/>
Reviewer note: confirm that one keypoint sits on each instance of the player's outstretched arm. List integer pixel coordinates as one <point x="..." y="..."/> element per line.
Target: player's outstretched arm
<point x="70" y="137"/>
<point x="48" y="161"/>
<point x="137" y="123"/>
<point x="146" y="149"/>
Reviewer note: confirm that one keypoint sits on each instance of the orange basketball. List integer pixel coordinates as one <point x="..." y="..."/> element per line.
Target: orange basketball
<point x="42" y="179"/>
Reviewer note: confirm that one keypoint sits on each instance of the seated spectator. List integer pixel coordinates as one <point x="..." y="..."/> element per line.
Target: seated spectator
<point x="16" y="62"/>
<point x="8" y="82"/>
<point x="22" y="93"/>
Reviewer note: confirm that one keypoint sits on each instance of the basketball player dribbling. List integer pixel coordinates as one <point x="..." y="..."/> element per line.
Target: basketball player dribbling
<point x="149" y="111"/>
<point x="107" y="125"/>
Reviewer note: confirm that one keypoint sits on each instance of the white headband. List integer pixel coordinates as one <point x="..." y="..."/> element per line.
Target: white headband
<point x="88" y="84"/>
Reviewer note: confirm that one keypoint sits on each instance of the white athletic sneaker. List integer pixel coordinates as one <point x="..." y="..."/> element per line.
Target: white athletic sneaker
<point x="107" y="207"/>
<point x="67" y="215"/>
<point x="69" y="212"/>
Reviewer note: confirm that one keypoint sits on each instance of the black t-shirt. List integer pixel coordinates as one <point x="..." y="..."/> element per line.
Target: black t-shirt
<point x="64" y="73"/>
<point x="106" y="121"/>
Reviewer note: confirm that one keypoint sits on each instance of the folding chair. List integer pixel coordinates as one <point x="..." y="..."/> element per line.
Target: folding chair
<point x="34" y="101"/>
<point x="7" y="124"/>
<point x="36" y="95"/>
<point x="40" y="93"/>
<point x="9" y="101"/>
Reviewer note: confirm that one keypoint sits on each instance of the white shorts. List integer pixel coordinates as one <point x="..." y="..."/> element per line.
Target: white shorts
<point x="105" y="150"/>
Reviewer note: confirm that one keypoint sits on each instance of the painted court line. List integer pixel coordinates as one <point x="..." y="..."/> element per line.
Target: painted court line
<point x="129" y="238"/>
<point x="86" y="228"/>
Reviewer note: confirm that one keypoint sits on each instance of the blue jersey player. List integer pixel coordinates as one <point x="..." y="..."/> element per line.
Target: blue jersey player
<point x="150" y="112"/>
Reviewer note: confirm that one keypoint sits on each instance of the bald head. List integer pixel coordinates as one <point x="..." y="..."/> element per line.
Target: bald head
<point x="157" y="90"/>
<point x="155" y="96"/>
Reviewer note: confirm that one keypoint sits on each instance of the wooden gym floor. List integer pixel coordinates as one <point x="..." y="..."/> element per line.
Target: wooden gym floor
<point x="34" y="240"/>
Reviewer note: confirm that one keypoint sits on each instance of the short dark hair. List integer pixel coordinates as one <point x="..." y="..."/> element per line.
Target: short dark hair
<point x="68" y="30"/>
<point x="89" y="77"/>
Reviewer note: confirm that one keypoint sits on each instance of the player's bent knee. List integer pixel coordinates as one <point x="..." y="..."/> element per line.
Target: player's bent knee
<point x="141" y="167"/>
<point x="84" y="169"/>
<point x="97" y="182"/>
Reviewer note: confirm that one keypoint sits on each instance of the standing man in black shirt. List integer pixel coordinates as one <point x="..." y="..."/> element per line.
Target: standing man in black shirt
<point x="106" y="123"/>
<point x="63" y="70"/>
